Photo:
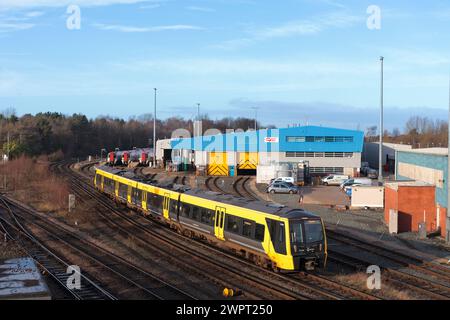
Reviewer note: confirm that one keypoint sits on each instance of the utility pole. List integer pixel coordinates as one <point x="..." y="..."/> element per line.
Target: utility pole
<point x="256" y="117"/>
<point x="8" y="149"/>
<point x="380" y="153"/>
<point x="198" y="111"/>
<point x="154" y="133"/>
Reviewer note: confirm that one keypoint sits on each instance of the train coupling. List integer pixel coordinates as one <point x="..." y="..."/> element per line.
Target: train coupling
<point x="310" y="265"/>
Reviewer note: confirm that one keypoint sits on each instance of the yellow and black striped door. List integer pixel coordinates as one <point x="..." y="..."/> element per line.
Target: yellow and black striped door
<point x="217" y="164"/>
<point x="248" y="160"/>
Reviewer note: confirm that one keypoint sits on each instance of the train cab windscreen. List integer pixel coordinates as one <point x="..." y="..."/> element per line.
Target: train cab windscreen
<point x="313" y="231"/>
<point x="303" y="233"/>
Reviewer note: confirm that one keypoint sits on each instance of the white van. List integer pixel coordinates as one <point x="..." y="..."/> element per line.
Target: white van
<point x="283" y="179"/>
<point x="334" y="180"/>
<point x="358" y="181"/>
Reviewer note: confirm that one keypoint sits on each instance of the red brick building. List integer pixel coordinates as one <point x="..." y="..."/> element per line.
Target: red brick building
<point x="415" y="203"/>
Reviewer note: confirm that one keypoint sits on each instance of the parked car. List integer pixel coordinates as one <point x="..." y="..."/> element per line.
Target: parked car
<point x="286" y="183"/>
<point x="364" y="168"/>
<point x="358" y="181"/>
<point x="372" y="174"/>
<point x="282" y="179"/>
<point x="334" y="180"/>
<point x="282" y="187"/>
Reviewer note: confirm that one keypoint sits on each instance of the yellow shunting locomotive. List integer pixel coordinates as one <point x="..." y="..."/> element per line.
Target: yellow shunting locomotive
<point x="271" y="236"/>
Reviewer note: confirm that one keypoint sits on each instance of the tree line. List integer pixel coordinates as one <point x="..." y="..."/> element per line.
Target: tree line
<point x="420" y="132"/>
<point x="77" y="136"/>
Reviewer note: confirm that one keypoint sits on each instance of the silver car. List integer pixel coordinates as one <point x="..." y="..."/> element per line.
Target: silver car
<point x="281" y="187"/>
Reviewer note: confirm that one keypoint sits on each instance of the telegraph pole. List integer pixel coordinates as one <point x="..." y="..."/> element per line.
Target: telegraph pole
<point x="380" y="153"/>
<point x="154" y="132"/>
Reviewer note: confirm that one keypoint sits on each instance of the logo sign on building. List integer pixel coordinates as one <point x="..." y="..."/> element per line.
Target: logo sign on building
<point x="271" y="140"/>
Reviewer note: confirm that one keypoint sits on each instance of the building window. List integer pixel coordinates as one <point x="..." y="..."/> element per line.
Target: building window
<point x="291" y="154"/>
<point x="326" y="170"/>
<point x="327" y="139"/>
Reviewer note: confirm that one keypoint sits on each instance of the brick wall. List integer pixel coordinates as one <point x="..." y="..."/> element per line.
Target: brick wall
<point x="414" y="204"/>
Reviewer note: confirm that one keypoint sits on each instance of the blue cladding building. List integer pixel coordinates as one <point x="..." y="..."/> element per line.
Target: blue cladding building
<point x="328" y="150"/>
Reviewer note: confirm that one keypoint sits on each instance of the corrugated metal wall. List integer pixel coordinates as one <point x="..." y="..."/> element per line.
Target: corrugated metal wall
<point x="425" y="161"/>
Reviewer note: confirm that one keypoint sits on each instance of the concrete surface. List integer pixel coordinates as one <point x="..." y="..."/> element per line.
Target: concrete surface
<point x="20" y="279"/>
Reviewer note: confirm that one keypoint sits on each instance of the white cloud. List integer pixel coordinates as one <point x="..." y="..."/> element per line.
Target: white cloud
<point x="9" y="27"/>
<point x="248" y="67"/>
<point x="122" y="28"/>
<point x="202" y="9"/>
<point x="416" y="57"/>
<point x="34" y="14"/>
<point x="20" y="4"/>
<point x="295" y="28"/>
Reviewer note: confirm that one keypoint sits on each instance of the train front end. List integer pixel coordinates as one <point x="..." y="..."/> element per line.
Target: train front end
<point x="308" y="243"/>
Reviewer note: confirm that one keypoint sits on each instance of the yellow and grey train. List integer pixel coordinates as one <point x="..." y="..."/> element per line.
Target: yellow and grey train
<point x="271" y="236"/>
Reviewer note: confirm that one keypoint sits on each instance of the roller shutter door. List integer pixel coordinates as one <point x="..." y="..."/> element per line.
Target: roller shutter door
<point x="248" y="160"/>
<point x="217" y="164"/>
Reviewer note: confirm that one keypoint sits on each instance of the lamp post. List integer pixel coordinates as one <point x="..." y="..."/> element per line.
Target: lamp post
<point x="256" y="117"/>
<point x="380" y="151"/>
<point x="154" y="133"/>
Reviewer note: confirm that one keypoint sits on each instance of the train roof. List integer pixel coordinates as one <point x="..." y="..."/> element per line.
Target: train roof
<point x="256" y="205"/>
<point x="270" y="208"/>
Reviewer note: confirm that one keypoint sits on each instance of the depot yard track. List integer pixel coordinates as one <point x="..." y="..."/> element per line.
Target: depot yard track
<point x="295" y="286"/>
<point x="47" y="259"/>
<point x="159" y="263"/>
<point x="425" y="279"/>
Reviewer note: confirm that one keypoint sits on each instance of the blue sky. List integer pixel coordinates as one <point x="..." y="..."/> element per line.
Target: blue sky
<point x="299" y="61"/>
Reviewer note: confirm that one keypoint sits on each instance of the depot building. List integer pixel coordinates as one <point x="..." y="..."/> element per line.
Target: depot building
<point x="423" y="173"/>
<point x="325" y="150"/>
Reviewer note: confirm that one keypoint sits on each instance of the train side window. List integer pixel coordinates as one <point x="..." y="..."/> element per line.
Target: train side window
<point x="173" y="206"/>
<point x="247" y="228"/>
<point x="234" y="224"/>
<point x="259" y="232"/>
<point x="195" y="213"/>
<point x="185" y="211"/>
<point x="222" y="220"/>
<point x="213" y="217"/>
<point x="217" y="221"/>
<point x="207" y="217"/>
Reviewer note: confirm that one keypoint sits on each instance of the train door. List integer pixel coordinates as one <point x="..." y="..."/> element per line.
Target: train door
<point x="219" y="222"/>
<point x="144" y="200"/>
<point x="166" y="205"/>
<point x="129" y="195"/>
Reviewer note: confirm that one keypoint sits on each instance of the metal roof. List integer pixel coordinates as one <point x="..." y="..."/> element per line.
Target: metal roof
<point x="432" y="151"/>
<point x="257" y="141"/>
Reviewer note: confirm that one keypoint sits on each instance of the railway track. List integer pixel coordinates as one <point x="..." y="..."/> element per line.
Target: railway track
<point x="316" y="287"/>
<point x="220" y="267"/>
<point x="124" y="277"/>
<point x="427" y="287"/>
<point x="240" y="188"/>
<point x="52" y="263"/>
<point x="425" y="277"/>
